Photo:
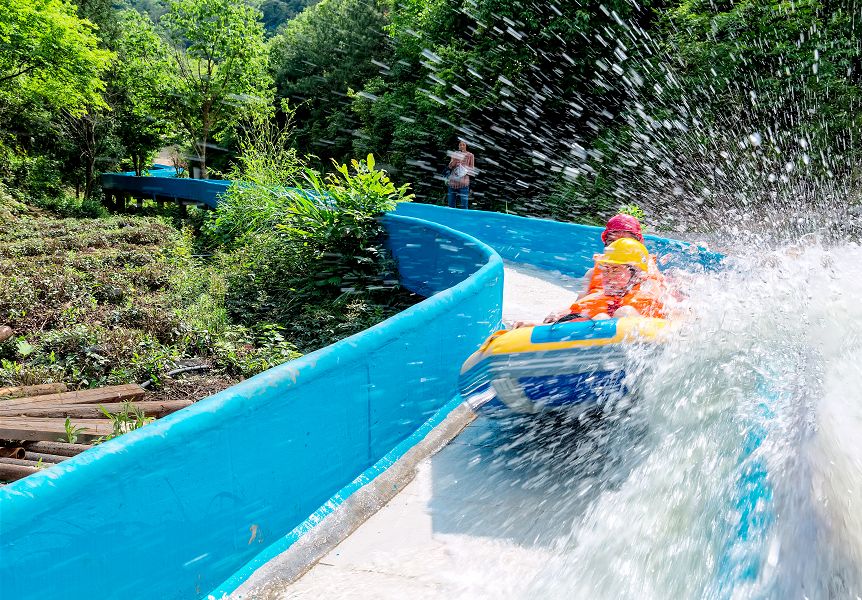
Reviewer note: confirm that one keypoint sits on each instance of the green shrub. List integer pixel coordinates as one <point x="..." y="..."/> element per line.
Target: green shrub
<point x="266" y="168"/>
<point x="244" y="351"/>
<point x="9" y="206"/>
<point x="197" y="291"/>
<point x="287" y="236"/>
<point x="33" y="177"/>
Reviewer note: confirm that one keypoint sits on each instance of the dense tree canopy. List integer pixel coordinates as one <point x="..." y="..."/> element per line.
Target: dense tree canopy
<point x="48" y="54"/>
<point x="571" y="108"/>
<point x="278" y="12"/>
<point x="220" y="67"/>
<point x="519" y="81"/>
<point x="318" y="59"/>
<point x="140" y="86"/>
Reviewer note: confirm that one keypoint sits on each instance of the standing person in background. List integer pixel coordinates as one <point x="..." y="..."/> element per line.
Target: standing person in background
<point x="461" y="166"/>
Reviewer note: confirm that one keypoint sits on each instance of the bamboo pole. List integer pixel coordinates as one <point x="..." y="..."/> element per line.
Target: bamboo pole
<point x="103" y="395"/>
<point x="31" y="390"/>
<point x="57" y="448"/>
<point x="51" y="430"/>
<point x="20" y="462"/>
<point x="15" y="472"/>
<point x="94" y="411"/>
<point x="46" y="458"/>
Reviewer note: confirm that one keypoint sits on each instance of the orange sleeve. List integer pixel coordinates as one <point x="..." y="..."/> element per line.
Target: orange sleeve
<point x="590" y="305"/>
<point x="595" y="281"/>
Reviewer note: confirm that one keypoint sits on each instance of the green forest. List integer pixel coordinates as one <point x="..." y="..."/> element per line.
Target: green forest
<point x="688" y="109"/>
<point x="571" y="108"/>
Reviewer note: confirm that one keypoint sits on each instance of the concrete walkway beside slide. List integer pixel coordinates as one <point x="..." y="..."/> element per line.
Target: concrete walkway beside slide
<point x="468" y="525"/>
<point x="441" y="537"/>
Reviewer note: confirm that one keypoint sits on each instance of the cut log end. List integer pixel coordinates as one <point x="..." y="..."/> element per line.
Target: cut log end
<point x="12" y="452"/>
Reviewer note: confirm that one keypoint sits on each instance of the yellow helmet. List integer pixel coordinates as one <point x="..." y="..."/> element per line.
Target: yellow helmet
<point x="625" y="251"/>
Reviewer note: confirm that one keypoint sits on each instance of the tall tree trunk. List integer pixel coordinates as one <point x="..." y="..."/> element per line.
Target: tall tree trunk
<point x="203" y="157"/>
<point x="90" y="155"/>
<point x="204" y="139"/>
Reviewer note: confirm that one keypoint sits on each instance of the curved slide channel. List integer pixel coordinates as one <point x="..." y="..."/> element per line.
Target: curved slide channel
<point x="465" y="526"/>
<point x="537" y="509"/>
<point x="704" y="488"/>
<point x="242" y="492"/>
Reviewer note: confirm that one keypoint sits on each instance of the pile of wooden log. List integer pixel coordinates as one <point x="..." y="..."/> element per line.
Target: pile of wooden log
<point x="33" y="432"/>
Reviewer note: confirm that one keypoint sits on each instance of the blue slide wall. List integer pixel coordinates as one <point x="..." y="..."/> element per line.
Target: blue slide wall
<point x="176" y="508"/>
<point x="195" y="501"/>
<point x="551" y="245"/>
<point x="164" y="183"/>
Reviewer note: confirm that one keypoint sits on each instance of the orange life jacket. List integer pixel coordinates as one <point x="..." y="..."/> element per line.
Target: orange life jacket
<point x="647" y="304"/>
<point x="652" y="273"/>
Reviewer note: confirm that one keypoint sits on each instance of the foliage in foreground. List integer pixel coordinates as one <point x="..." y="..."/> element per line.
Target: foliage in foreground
<point x="48" y="54"/>
<point x="115" y="300"/>
<point x="303" y="249"/>
<point x="298" y="262"/>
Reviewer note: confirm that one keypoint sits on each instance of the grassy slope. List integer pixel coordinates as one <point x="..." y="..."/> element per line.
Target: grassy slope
<point x="118" y="299"/>
<point x="106" y="301"/>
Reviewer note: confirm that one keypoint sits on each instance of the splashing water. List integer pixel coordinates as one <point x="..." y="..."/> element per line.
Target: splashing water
<point x="770" y="352"/>
<point x="737" y="471"/>
<point x="734" y="474"/>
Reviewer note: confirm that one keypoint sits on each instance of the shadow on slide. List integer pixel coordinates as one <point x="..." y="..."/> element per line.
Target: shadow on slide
<point x="527" y="480"/>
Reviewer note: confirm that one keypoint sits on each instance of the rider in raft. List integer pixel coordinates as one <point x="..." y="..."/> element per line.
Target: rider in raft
<point x="626" y="289"/>
<point x="619" y="227"/>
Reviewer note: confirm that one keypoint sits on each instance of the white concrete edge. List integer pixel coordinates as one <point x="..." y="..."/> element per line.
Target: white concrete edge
<point x="271" y="580"/>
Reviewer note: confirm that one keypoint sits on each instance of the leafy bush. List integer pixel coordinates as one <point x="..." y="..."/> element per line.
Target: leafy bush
<point x="335" y="224"/>
<point x="266" y="168"/>
<point x="244" y="351"/>
<point x="9" y="206"/>
<point x="288" y="236"/>
<point x="314" y="325"/>
<point x="29" y="176"/>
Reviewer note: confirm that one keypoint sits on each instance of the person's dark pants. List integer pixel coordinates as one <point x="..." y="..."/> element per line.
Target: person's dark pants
<point x="463" y="192"/>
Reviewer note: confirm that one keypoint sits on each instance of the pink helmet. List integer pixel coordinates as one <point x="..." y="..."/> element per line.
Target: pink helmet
<point x="623" y="223"/>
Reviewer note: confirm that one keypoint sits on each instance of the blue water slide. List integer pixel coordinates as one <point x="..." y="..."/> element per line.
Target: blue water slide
<point x="194" y="502"/>
<point x="552" y="245"/>
<point x="174" y="509"/>
<point x="163" y="183"/>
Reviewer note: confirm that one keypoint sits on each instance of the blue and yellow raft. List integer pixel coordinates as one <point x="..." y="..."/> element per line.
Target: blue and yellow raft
<point x="570" y="365"/>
